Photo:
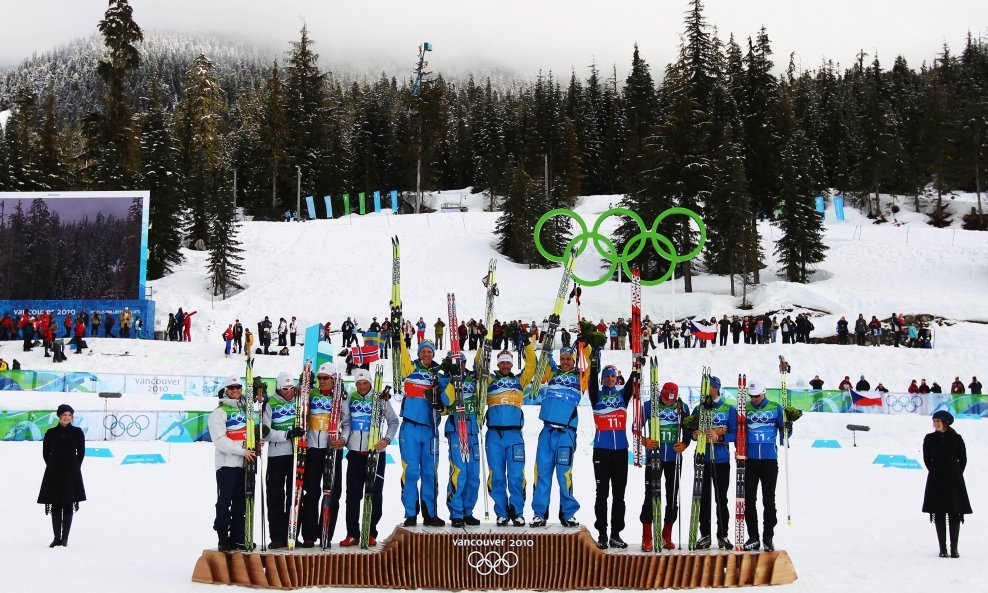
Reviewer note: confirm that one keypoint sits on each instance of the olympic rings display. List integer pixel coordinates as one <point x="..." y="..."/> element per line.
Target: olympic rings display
<point x="663" y="245"/>
<point x="903" y="403"/>
<point x="126" y="424"/>
<point x="492" y="562"/>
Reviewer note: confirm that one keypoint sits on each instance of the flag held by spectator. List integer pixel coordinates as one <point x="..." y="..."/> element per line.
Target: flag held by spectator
<point x="702" y="330"/>
<point x="864" y="400"/>
<point x="365" y="354"/>
<point x="372" y="339"/>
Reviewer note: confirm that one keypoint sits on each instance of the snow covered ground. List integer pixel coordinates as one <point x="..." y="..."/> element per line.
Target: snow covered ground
<point x="855" y="524"/>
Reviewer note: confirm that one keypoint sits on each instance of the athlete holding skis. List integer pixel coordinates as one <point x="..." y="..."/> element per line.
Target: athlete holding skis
<point x="418" y="437"/>
<point x="505" y="446"/>
<point x="766" y="421"/>
<point x="610" y="448"/>
<point x="318" y="445"/>
<point x="668" y="447"/>
<point x="277" y="423"/>
<point x="718" y="461"/>
<point x="228" y="431"/>
<point x="464" y="476"/>
<point x="357" y="454"/>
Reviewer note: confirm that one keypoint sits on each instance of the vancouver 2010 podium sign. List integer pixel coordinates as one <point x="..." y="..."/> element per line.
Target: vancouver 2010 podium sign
<point x="550" y="559"/>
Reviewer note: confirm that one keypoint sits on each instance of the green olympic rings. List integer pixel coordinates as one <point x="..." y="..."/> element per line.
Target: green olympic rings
<point x="662" y="245"/>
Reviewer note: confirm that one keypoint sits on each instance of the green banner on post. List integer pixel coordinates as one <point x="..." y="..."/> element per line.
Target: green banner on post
<point x="363" y="209"/>
<point x="346" y="204"/>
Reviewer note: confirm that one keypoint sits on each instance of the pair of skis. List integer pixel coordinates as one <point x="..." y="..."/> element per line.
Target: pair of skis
<point x="741" y="449"/>
<point x="299" y="448"/>
<point x="251" y="444"/>
<point x="484" y="374"/>
<point x="373" y="438"/>
<point x="550" y="333"/>
<point x="329" y="470"/>
<point x="655" y="460"/>
<point x="637" y="421"/>
<point x="705" y="420"/>
<point x="456" y="378"/>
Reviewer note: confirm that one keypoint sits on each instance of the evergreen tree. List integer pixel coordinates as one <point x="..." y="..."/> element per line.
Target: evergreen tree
<point x="273" y="133"/>
<point x="112" y="134"/>
<point x="972" y="112"/>
<point x="306" y="115"/>
<point x="641" y="105"/>
<point x="225" y="249"/>
<point x="159" y="176"/>
<point x="516" y="225"/>
<point x="801" y="245"/>
<point x="905" y="95"/>
<point x="199" y="129"/>
<point x="53" y="171"/>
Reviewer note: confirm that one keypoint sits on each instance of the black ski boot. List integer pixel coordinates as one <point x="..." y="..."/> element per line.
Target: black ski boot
<point x="456" y="523"/>
<point x="502" y="521"/>
<point x="434" y="522"/>
<point x="56" y="527"/>
<point x="940" y="521"/>
<point x="617" y="542"/>
<point x="602" y="541"/>
<point x="66" y="526"/>
<point x="471" y="521"/>
<point x="767" y="544"/>
<point x="724" y="544"/>
<point x="223" y="541"/>
<point x="519" y="521"/>
<point x="569" y="522"/>
<point x="955" y="528"/>
<point x="752" y="544"/>
<point x="703" y="543"/>
<point x="537" y="522"/>
<point x="410" y="521"/>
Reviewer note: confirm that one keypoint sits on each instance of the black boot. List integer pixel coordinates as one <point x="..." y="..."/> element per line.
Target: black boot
<point x="66" y="526"/>
<point x="955" y="528"/>
<point x="940" y="521"/>
<point x="223" y="541"/>
<point x="56" y="526"/>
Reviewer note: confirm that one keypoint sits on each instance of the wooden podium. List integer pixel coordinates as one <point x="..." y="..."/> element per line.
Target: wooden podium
<point x="549" y="559"/>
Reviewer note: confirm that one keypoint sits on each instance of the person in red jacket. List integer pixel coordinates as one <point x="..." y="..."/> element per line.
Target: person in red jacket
<point x="228" y="336"/>
<point x="913" y="387"/>
<point x="80" y="333"/>
<point x="845" y="385"/>
<point x="68" y="326"/>
<point x="188" y="326"/>
<point x="957" y="387"/>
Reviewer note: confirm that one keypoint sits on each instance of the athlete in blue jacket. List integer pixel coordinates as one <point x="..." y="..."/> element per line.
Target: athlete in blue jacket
<point x="464" y="476"/>
<point x="610" y="448"/>
<point x="765" y="421"/>
<point x="669" y="447"/>
<point x="557" y="441"/>
<point x="418" y="438"/>
<point x="724" y="430"/>
<point x="505" y="446"/>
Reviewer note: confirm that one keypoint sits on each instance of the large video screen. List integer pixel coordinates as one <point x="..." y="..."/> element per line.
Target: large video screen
<point x="81" y="245"/>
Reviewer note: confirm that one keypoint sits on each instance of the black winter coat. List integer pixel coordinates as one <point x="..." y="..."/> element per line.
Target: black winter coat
<point x="945" y="458"/>
<point x="63" y="451"/>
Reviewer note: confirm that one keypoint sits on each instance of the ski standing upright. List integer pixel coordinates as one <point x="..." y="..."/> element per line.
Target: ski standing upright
<point x="456" y="376"/>
<point x="740" y="447"/>
<point x="250" y="442"/>
<point x="329" y="472"/>
<point x="484" y="375"/>
<point x="784" y="376"/>
<point x="704" y="417"/>
<point x="299" y="447"/>
<point x="636" y="363"/>
<point x="373" y="438"/>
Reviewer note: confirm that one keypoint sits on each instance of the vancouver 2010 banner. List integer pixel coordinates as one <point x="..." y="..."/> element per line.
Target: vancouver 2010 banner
<point x="73" y="246"/>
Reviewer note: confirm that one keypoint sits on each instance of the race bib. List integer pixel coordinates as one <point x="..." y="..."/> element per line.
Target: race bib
<point x="318" y="421"/>
<point x="613" y="420"/>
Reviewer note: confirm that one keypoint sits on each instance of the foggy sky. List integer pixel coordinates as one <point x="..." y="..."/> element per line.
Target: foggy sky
<point x="523" y="36"/>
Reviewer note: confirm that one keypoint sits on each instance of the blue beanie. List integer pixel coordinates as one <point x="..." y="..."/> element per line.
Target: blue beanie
<point x="943" y="416"/>
<point x="715" y="383"/>
<point x="609" y="371"/>
<point x="426" y="344"/>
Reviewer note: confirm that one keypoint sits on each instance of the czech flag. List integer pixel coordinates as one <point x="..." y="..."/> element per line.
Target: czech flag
<point x="863" y="400"/>
<point x="703" y="331"/>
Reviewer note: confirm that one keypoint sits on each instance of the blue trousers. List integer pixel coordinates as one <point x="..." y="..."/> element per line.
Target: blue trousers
<point x="464" y="478"/>
<point x="506" y="462"/>
<point x="555" y="455"/>
<point x="230" y="503"/>
<point x="419" y="446"/>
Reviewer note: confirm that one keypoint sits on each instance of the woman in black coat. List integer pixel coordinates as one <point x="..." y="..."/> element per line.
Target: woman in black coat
<point x="946" y="494"/>
<point x="61" y="488"/>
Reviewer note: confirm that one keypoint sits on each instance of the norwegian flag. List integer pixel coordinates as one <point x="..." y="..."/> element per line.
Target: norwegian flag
<point x="365" y="354"/>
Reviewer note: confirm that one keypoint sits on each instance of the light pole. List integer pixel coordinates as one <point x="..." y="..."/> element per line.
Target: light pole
<point x="298" y="194"/>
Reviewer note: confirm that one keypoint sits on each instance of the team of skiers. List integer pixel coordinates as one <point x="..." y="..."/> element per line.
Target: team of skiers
<point x="428" y="388"/>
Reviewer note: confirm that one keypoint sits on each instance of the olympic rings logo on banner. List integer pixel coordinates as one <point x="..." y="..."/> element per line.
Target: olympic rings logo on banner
<point x="904" y="403"/>
<point x="126" y="424"/>
<point x="662" y="244"/>
<point x="486" y="563"/>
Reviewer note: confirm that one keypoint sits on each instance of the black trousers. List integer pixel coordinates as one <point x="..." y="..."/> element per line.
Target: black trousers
<point x="61" y="520"/>
<point x="293" y="335"/>
<point x="668" y="471"/>
<point x="610" y="471"/>
<point x="735" y="337"/>
<point x="230" y="504"/>
<point x="719" y="474"/>
<point x="279" y="492"/>
<point x="723" y="338"/>
<point x="315" y="466"/>
<point x="766" y="473"/>
<point x="356" y="474"/>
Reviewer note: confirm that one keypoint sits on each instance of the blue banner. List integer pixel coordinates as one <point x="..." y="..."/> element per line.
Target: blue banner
<point x="394" y="201"/>
<point x="329" y="206"/>
<point x="839" y="208"/>
<point x="311" y="205"/>
<point x="377" y="201"/>
<point x="141" y="309"/>
<point x="821" y="205"/>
